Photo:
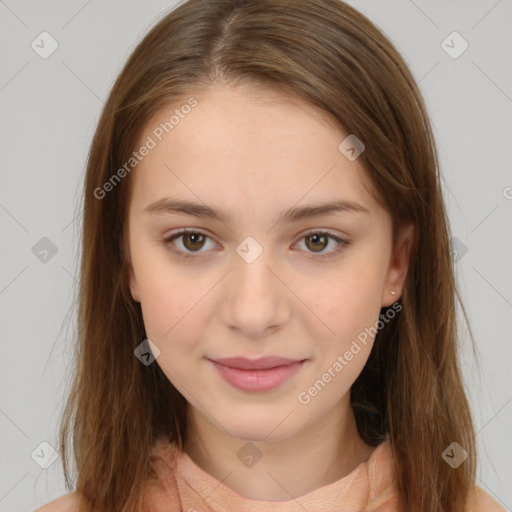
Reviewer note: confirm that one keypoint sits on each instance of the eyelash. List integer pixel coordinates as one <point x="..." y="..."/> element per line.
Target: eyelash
<point x="169" y="239"/>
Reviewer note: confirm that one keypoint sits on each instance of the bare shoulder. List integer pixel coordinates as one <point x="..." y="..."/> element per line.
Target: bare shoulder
<point x="67" y="503"/>
<point x="483" y="502"/>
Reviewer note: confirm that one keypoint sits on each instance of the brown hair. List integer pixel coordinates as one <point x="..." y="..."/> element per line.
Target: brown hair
<point x="331" y="56"/>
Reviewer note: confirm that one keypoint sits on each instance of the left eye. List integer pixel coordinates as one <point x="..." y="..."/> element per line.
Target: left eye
<point x="194" y="241"/>
<point x="320" y="239"/>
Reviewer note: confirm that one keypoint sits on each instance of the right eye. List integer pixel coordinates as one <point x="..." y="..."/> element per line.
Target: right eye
<point x="192" y="241"/>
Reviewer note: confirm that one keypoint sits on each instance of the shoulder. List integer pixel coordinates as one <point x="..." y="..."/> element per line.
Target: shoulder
<point x="67" y="503"/>
<point x="384" y="492"/>
<point x="480" y="501"/>
<point x="158" y="488"/>
<point x="483" y="502"/>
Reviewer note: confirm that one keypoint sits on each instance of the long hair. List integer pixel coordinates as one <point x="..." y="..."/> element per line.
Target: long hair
<point x="329" y="55"/>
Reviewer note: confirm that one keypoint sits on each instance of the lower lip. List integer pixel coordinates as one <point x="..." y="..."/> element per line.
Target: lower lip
<point x="257" y="380"/>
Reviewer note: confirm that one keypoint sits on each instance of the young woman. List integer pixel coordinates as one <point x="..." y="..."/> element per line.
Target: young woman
<point x="267" y="313"/>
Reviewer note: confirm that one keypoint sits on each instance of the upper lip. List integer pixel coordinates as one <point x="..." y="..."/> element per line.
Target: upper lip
<point x="264" y="363"/>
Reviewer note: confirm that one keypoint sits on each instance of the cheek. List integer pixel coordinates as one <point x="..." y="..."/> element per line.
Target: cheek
<point x="169" y="298"/>
<point x="170" y="305"/>
<point x="350" y="304"/>
<point x="170" y="311"/>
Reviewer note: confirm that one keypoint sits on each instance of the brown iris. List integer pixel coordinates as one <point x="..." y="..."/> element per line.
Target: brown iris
<point x="317" y="237"/>
<point x="197" y="241"/>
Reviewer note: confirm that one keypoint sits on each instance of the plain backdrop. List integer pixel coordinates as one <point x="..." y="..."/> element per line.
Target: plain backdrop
<point x="48" y="111"/>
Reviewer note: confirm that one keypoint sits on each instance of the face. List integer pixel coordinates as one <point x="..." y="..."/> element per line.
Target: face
<point x="253" y="283"/>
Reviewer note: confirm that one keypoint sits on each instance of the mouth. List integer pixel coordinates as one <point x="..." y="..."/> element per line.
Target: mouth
<point x="259" y="374"/>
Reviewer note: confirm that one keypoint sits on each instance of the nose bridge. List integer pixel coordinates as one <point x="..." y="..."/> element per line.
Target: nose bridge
<point x="255" y="301"/>
<point x="252" y="272"/>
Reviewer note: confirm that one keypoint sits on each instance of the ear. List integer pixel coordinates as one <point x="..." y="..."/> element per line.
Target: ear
<point x="134" y="286"/>
<point x="398" y="266"/>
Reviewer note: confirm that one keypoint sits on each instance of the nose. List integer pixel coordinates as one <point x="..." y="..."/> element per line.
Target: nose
<point x="256" y="298"/>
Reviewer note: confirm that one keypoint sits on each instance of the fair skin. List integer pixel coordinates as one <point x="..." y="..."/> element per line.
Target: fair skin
<point x="257" y="156"/>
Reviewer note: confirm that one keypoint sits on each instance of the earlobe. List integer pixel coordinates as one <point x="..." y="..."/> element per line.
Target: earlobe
<point x="398" y="266"/>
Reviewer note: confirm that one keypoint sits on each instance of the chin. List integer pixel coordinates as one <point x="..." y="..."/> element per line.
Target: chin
<point x="251" y="435"/>
<point x="259" y="428"/>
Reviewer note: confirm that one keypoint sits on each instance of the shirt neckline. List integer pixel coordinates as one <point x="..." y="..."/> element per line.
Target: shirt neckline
<point x="353" y="491"/>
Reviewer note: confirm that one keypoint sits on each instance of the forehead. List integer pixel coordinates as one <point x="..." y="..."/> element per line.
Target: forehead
<point x="245" y="145"/>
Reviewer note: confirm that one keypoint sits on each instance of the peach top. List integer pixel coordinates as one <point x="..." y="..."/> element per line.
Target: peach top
<point x="179" y="484"/>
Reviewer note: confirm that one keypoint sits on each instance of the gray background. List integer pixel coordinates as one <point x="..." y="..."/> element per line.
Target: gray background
<point x="48" y="111"/>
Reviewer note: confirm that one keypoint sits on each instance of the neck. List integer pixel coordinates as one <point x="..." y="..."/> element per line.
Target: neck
<point x="318" y="455"/>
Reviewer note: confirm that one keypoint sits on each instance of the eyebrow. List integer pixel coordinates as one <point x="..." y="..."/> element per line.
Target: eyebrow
<point x="168" y="205"/>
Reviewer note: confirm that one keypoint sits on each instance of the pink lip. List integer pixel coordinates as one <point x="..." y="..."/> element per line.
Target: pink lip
<point x="257" y="375"/>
